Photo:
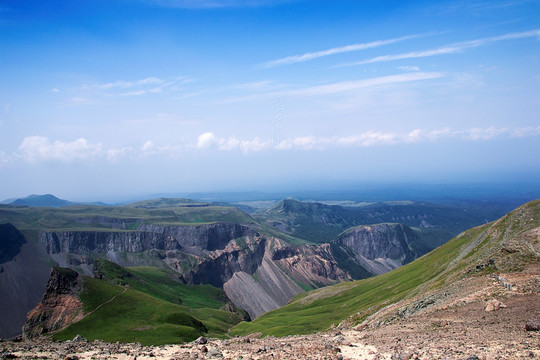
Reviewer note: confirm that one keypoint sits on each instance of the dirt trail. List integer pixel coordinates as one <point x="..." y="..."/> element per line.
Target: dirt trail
<point x="105" y="303"/>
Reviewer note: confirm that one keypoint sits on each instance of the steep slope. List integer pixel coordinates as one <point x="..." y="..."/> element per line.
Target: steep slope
<point x="381" y="247"/>
<point x="508" y="245"/>
<point x="259" y="267"/>
<point x="60" y="305"/>
<point x="23" y="276"/>
<point x="206" y="244"/>
<point x="144" y="305"/>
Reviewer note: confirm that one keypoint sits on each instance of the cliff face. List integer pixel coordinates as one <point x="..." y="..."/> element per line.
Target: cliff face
<point x="380" y="247"/>
<point x="200" y="237"/>
<point x="60" y="305"/>
<point x="258" y="273"/>
<point x="23" y="277"/>
<point x="282" y="273"/>
<point x="11" y="241"/>
<point x="146" y="237"/>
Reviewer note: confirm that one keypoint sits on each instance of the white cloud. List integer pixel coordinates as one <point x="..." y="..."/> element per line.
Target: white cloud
<point x="366" y="83"/>
<point x="204" y="4"/>
<point x="409" y="68"/>
<point x="148" y="146"/>
<point x="449" y="49"/>
<point x="483" y="134"/>
<point x="207" y="140"/>
<point x="115" y="155"/>
<point x="365" y="139"/>
<point x="337" y="50"/>
<point x="526" y="131"/>
<point x="124" y="88"/>
<point x="36" y="148"/>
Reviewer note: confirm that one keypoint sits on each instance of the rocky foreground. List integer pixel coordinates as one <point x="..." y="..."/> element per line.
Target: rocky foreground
<point x="487" y="317"/>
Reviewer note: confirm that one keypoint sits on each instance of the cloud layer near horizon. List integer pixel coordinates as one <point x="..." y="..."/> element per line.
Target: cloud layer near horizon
<point x="35" y="149"/>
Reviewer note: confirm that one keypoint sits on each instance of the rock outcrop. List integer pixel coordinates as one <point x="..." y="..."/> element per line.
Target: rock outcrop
<point x="60" y="305"/>
<point x="381" y="247"/>
<point x="147" y="237"/>
<point x="258" y="272"/>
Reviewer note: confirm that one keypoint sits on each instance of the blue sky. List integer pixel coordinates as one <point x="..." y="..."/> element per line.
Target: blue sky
<point x="122" y="97"/>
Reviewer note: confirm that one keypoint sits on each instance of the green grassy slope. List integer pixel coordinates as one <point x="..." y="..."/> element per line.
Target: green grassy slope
<point x="147" y="305"/>
<point x="319" y="223"/>
<point x="322" y="308"/>
<point x="98" y="218"/>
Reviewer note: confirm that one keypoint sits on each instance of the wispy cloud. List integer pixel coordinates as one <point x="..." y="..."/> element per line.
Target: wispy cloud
<point x="204" y="4"/>
<point x="4" y="158"/>
<point x="123" y="88"/>
<point x="365" y="83"/>
<point x="409" y="68"/>
<point x="333" y="51"/>
<point x="448" y="49"/>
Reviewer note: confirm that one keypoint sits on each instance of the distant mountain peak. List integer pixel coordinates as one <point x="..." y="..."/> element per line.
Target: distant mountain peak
<point x="46" y="200"/>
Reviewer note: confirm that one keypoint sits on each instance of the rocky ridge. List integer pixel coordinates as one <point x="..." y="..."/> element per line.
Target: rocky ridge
<point x="258" y="272"/>
<point x="60" y="305"/>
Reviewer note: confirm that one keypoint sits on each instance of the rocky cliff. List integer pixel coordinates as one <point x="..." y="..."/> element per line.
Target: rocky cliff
<point x="11" y="241"/>
<point x="60" y="305"/>
<point x="258" y="273"/>
<point x="281" y="273"/>
<point x="23" y="276"/>
<point x="381" y="247"/>
<point x="146" y="237"/>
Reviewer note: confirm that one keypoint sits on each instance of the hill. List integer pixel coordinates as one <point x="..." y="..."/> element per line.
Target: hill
<point x="259" y="267"/>
<point x="46" y="200"/>
<point x="434" y="223"/>
<point x="145" y="305"/>
<point x="476" y="297"/>
<point x="510" y="244"/>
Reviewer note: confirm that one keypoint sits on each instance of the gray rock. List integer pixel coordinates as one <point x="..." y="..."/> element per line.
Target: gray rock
<point x="201" y="340"/>
<point x="533" y="325"/>
<point x="79" y="338"/>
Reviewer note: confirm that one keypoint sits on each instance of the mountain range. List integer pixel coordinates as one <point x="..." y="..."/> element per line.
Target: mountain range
<point x="237" y="265"/>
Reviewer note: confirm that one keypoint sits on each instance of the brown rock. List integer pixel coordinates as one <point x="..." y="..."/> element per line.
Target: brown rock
<point x="493" y="305"/>
<point x="533" y="325"/>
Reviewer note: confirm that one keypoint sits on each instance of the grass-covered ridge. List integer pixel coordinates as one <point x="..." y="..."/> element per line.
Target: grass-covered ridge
<point x="148" y="305"/>
<point x="320" y="309"/>
<point x="179" y="212"/>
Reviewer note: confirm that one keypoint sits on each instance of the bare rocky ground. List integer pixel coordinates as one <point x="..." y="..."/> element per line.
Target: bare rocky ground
<point x="451" y="324"/>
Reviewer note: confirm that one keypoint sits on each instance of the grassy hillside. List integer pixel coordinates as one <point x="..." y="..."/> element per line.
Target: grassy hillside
<point x="505" y="243"/>
<point x="319" y="223"/>
<point x="119" y="218"/>
<point x="148" y="305"/>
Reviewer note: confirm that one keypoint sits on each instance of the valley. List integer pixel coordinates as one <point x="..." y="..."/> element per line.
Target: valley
<point x="168" y="271"/>
<point x="470" y="298"/>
